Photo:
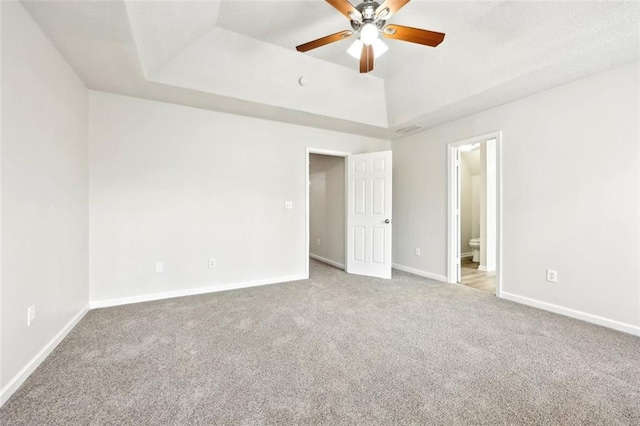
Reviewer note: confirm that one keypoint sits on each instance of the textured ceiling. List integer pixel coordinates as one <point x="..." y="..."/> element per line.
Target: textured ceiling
<point x="239" y="56"/>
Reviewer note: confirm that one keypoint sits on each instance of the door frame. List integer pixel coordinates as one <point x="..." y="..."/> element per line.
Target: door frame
<point x="333" y="153"/>
<point x="452" y="192"/>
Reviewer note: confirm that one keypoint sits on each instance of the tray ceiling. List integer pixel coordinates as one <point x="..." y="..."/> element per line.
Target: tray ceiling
<point x="239" y="56"/>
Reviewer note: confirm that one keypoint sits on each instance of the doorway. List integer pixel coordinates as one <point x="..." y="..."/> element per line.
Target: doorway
<point x="336" y="156"/>
<point x="366" y="212"/>
<point x="327" y="209"/>
<point x="475" y="213"/>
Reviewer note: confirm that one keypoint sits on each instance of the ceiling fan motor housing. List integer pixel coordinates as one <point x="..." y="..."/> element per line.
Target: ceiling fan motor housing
<point x="367" y="11"/>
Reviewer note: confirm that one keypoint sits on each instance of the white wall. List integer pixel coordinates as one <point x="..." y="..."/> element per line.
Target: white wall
<point x="180" y="185"/>
<point x="44" y="194"/>
<point x="466" y="198"/>
<point x="578" y="217"/>
<point x="476" y="192"/>
<point x="488" y="206"/>
<point x="2" y="395"/>
<point x="326" y="199"/>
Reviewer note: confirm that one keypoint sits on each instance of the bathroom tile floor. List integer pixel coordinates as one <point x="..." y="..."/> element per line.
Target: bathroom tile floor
<point x="471" y="277"/>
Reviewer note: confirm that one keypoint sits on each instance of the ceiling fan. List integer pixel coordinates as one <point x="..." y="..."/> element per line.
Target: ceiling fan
<point x="368" y="20"/>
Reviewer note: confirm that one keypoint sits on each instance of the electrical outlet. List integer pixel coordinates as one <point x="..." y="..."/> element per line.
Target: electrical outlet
<point x="212" y="263"/>
<point x="417" y="251"/>
<point x="552" y="276"/>
<point x="288" y="205"/>
<point x="31" y="315"/>
<point x="318" y="241"/>
<point x="159" y="267"/>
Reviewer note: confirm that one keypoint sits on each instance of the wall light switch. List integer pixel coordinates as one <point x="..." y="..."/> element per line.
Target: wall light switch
<point x="159" y="267"/>
<point x="31" y="315"/>
<point x="212" y="263"/>
<point x="417" y="251"/>
<point x="318" y="241"/>
<point x="552" y="276"/>
<point x="288" y="205"/>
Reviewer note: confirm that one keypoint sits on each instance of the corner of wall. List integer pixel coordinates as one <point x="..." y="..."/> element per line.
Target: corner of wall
<point x="59" y="136"/>
<point x="17" y="380"/>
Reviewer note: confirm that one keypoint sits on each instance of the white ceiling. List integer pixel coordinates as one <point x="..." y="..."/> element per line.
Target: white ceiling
<point x="290" y="23"/>
<point x="239" y="56"/>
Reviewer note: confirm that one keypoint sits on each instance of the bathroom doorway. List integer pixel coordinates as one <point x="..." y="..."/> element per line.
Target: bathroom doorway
<point x="474" y="213"/>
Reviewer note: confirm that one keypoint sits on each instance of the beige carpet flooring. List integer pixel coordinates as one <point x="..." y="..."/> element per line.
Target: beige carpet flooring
<point x="334" y="350"/>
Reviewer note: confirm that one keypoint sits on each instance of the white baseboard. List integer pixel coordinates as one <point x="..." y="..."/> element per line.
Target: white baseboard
<point x="466" y="255"/>
<point x="26" y="371"/>
<point x="594" y="319"/>
<point x="327" y="261"/>
<point x="420" y="273"/>
<point x="486" y="268"/>
<point x="192" y="292"/>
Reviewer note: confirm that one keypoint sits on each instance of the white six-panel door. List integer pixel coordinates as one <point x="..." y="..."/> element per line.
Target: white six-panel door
<point x="369" y="214"/>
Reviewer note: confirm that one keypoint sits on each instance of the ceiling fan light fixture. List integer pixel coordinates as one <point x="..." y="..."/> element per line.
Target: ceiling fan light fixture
<point x="379" y="48"/>
<point x="355" y="49"/>
<point x="368" y="33"/>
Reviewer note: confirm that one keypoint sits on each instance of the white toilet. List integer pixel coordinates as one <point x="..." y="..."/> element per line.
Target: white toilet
<point x="474" y="243"/>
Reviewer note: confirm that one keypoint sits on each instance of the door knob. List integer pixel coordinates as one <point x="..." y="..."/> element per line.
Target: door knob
<point x="387" y="221"/>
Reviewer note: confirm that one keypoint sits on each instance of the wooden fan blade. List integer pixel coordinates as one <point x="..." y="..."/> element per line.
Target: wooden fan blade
<point x="344" y="7"/>
<point x="366" y="59"/>
<point x="392" y="5"/>
<point x="324" y="40"/>
<point x="413" y="35"/>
